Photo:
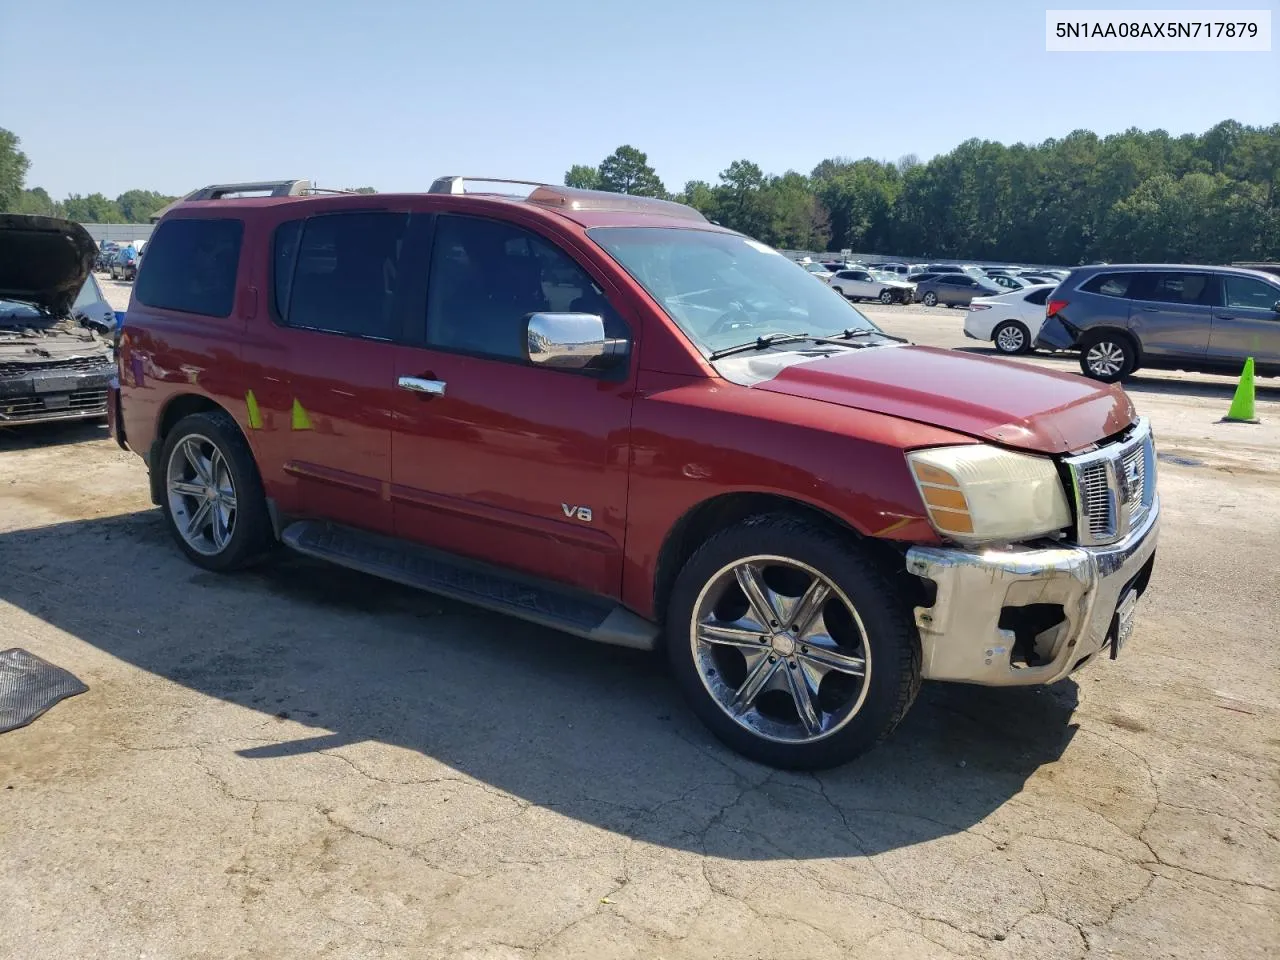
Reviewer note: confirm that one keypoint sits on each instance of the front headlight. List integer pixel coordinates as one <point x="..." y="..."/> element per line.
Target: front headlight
<point x="981" y="493"/>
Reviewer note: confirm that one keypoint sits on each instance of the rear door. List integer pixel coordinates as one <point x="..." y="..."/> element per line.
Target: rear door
<point x="1247" y="324"/>
<point x="1172" y="311"/>
<point x="328" y="369"/>
<point x="520" y="466"/>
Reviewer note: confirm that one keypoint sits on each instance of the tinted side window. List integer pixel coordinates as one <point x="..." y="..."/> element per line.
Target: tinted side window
<point x="846" y="275"/>
<point x="1248" y="292"/>
<point x="345" y="273"/>
<point x="1109" y="284"/>
<point x="488" y="276"/>
<point x="191" y="266"/>
<point x="1038" y="296"/>
<point x="1175" y="287"/>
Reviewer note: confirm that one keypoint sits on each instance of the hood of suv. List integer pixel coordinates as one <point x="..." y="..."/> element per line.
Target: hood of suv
<point x="1008" y="403"/>
<point x="44" y="261"/>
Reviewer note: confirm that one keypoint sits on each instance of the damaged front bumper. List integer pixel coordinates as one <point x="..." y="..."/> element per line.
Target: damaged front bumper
<point x="1015" y="616"/>
<point x="55" y="393"/>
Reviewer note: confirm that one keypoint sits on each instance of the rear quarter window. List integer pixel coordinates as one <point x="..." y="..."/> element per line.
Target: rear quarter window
<point x="1040" y="296"/>
<point x="1110" y="284"/>
<point x="191" y="266"/>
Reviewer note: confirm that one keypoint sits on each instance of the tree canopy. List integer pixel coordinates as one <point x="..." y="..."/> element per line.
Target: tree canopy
<point x="1137" y="195"/>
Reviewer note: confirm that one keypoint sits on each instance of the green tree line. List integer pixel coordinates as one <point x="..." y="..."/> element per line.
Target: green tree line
<point x="1133" y="196"/>
<point x="132" y="206"/>
<point x="1137" y="195"/>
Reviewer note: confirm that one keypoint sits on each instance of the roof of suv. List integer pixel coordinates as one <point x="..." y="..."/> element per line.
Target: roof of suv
<point x="587" y="208"/>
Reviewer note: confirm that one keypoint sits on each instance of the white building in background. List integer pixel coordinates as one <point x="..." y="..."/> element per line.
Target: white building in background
<point x="119" y="232"/>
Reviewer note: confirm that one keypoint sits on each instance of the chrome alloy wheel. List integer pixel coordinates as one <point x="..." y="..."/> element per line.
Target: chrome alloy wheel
<point x="202" y="494"/>
<point x="1105" y="358"/>
<point x="780" y="648"/>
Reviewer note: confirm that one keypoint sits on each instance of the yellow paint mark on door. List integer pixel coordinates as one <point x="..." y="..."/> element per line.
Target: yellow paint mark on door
<point x="299" y="418"/>
<point x="255" y="415"/>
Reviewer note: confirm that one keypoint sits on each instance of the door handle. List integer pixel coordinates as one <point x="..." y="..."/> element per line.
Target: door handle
<point x="432" y="388"/>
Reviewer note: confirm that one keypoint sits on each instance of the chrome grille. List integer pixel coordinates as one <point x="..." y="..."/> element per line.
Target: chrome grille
<point x="1114" y="486"/>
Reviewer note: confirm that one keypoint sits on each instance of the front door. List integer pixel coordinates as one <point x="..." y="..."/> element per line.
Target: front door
<point x="331" y="368"/>
<point x="1247" y="324"/>
<point x="516" y="465"/>
<point x="1172" y="312"/>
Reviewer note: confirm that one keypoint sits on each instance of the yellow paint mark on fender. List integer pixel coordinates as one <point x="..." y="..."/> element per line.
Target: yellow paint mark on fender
<point x="255" y="415"/>
<point x="299" y="419"/>
<point x="891" y="528"/>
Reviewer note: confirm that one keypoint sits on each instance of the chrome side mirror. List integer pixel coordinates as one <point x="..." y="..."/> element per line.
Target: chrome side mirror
<point x="571" y="341"/>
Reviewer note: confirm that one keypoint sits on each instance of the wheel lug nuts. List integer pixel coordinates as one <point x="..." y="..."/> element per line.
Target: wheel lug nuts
<point x="804" y="649"/>
<point x="764" y="639"/>
<point x="773" y="659"/>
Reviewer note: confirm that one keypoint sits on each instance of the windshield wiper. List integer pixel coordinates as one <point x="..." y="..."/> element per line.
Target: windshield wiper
<point x="845" y="336"/>
<point x="759" y="343"/>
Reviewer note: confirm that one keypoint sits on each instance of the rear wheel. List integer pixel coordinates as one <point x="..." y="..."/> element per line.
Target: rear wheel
<point x="213" y="498"/>
<point x="1012" y="337"/>
<point x="790" y="645"/>
<point x="1108" y="357"/>
<point x="930" y="299"/>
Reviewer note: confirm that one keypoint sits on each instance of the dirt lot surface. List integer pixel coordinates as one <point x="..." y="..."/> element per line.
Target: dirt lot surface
<point x="304" y="762"/>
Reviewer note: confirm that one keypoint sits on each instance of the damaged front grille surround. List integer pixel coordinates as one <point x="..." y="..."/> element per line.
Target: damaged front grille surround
<point x="1114" y="486"/>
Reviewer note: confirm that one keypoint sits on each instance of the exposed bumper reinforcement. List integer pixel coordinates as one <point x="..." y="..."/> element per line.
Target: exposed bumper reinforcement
<point x="961" y="636"/>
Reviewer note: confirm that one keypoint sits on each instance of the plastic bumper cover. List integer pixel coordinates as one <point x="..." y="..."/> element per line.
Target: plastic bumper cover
<point x="961" y="637"/>
<point x="1055" y="335"/>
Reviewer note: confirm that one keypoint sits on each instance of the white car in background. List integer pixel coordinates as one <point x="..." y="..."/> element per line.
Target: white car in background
<point x="862" y="284"/>
<point x="818" y="270"/>
<point x="1010" y="320"/>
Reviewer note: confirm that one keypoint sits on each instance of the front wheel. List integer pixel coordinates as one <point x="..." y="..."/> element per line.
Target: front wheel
<point x="886" y="296"/>
<point x="1107" y="357"/>
<point x="790" y="645"/>
<point x="1012" y="337"/>
<point x="930" y="299"/>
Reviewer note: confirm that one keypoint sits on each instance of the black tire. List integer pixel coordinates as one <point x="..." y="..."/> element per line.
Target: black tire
<point x="930" y="299"/>
<point x="1016" y="338"/>
<point x="1107" y="356"/>
<point x="251" y="535"/>
<point x="893" y="678"/>
<point x="886" y="296"/>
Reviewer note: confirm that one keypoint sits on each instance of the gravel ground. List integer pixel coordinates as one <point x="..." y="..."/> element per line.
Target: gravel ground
<point x="299" y="761"/>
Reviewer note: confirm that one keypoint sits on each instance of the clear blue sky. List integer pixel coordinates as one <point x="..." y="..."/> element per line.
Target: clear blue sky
<point x="107" y="96"/>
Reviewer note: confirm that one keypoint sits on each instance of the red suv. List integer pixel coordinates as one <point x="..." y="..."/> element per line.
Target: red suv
<point x="607" y="415"/>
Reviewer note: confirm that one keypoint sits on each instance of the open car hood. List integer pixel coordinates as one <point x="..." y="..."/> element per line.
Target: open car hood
<point x="44" y="261"/>
<point x="1008" y="403"/>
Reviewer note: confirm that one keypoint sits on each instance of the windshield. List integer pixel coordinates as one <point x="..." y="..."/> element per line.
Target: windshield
<point x="723" y="289"/>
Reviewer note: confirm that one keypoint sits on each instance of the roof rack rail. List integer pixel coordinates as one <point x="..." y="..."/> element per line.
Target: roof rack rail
<point x="571" y="198"/>
<point x="270" y="188"/>
<point x="264" y="188"/>
<point x="459" y="184"/>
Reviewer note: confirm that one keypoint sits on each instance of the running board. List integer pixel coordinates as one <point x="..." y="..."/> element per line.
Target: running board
<point x="550" y="605"/>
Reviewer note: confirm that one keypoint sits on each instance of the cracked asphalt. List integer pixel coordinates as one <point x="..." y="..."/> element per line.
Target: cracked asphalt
<point x="298" y="761"/>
